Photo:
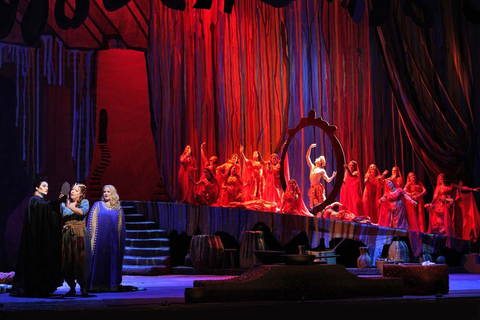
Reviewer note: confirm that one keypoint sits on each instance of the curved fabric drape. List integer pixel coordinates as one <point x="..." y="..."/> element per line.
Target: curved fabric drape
<point x="432" y="72"/>
<point x="247" y="77"/>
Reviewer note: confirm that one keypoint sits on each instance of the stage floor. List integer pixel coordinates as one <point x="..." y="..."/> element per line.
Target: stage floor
<point x="164" y="296"/>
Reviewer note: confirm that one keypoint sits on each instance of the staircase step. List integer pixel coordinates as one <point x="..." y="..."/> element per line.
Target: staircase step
<point x="128" y="209"/>
<point x="146" y="270"/>
<point x="146" y="234"/>
<point x="140" y="225"/>
<point x="147" y="252"/>
<point x="134" y="217"/>
<point x="148" y="243"/>
<point x="146" y="261"/>
<point x="129" y="203"/>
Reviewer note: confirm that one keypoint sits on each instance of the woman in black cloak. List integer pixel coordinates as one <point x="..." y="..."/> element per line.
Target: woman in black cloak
<point x="38" y="270"/>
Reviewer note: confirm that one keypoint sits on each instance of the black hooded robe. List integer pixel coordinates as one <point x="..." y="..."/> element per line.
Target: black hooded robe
<point x="38" y="270"/>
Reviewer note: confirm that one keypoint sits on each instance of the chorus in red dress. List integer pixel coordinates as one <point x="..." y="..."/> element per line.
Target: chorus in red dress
<point x="396" y="177"/>
<point x="206" y="189"/>
<point x="273" y="185"/>
<point x="372" y="192"/>
<point x="210" y="163"/>
<point x="442" y="209"/>
<point x="393" y="213"/>
<point x="351" y="191"/>
<point x="416" y="190"/>
<point x="468" y="224"/>
<point x="222" y="171"/>
<point x="254" y="170"/>
<point x="232" y="188"/>
<point x="292" y="200"/>
<point x="188" y="165"/>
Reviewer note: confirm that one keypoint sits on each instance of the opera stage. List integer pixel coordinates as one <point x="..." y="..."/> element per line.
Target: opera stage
<point x="165" y="294"/>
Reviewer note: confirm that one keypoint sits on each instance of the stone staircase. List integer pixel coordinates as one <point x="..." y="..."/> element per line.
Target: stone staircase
<point x="147" y="248"/>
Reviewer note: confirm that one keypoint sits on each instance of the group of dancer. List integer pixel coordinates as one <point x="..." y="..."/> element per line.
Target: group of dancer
<point x="387" y="201"/>
<point x="256" y="186"/>
<point x="64" y="240"/>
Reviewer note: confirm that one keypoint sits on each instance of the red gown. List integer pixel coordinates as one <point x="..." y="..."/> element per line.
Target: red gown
<point x="273" y="184"/>
<point x="292" y="203"/>
<point x="206" y="192"/>
<point x="371" y="194"/>
<point x="393" y="213"/>
<point x="441" y="211"/>
<point x="470" y="224"/>
<point x="351" y="194"/>
<point x="416" y="212"/>
<point x="185" y="188"/>
<point x="232" y="191"/>
<point x="256" y="180"/>
<point x="222" y="173"/>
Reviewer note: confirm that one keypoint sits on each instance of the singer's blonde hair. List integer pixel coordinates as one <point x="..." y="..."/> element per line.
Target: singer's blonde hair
<point x="115" y="199"/>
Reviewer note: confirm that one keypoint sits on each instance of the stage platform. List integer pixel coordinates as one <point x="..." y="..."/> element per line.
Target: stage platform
<point x="163" y="296"/>
<point x="192" y="220"/>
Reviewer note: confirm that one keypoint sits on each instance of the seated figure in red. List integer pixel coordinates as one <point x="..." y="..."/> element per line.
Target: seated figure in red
<point x="207" y="189"/>
<point x="232" y="188"/>
<point x="292" y="200"/>
<point x="393" y="213"/>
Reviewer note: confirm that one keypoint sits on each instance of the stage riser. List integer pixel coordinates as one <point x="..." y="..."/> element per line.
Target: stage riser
<point x="192" y="220"/>
<point x="147" y="250"/>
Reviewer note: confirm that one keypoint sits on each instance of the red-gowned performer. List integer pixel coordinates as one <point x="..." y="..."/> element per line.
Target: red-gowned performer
<point x="254" y="171"/>
<point x="207" y="189"/>
<point x="223" y="171"/>
<point x="351" y="191"/>
<point x="232" y="188"/>
<point x="393" y="213"/>
<point x="372" y="192"/>
<point x="273" y="184"/>
<point x="468" y="223"/>
<point x="396" y="177"/>
<point x="442" y="208"/>
<point x="210" y="163"/>
<point x="188" y="165"/>
<point x="292" y="200"/>
<point x="416" y="190"/>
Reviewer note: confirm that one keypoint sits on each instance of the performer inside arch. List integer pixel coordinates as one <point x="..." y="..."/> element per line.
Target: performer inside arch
<point x="316" y="194"/>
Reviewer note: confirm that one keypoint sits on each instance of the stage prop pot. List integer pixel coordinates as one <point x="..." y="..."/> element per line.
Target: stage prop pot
<point x="252" y="241"/>
<point x="398" y="251"/>
<point x="206" y="252"/>
<point x="364" y="260"/>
